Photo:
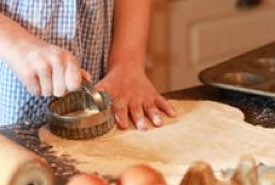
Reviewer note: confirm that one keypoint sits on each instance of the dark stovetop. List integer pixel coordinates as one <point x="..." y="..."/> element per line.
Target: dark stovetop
<point x="258" y="111"/>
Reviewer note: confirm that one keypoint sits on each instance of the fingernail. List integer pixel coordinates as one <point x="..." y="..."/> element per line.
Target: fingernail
<point x="121" y="125"/>
<point x="141" y="125"/>
<point x="157" y="120"/>
<point x="117" y="118"/>
<point x="173" y="112"/>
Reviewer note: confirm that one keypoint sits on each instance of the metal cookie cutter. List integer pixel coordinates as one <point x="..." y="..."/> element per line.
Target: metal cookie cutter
<point x="82" y="114"/>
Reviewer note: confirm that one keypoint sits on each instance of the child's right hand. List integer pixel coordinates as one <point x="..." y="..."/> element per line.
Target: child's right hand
<point x="46" y="69"/>
<point x="43" y="68"/>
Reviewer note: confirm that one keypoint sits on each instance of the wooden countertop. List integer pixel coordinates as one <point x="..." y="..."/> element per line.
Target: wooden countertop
<point x="258" y="111"/>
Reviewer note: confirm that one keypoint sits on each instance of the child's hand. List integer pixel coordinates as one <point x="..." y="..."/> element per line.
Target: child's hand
<point x="134" y="95"/>
<point x="43" y="68"/>
<point x="46" y="69"/>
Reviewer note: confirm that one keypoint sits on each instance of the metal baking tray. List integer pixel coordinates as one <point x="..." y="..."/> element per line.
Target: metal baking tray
<point x="252" y="72"/>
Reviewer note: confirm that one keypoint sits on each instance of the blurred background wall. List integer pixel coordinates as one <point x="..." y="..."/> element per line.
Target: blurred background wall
<point x="187" y="36"/>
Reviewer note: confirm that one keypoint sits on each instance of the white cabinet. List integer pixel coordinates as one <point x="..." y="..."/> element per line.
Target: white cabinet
<point x="196" y="34"/>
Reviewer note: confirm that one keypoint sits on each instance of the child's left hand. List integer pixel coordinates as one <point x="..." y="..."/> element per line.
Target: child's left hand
<point x="135" y="97"/>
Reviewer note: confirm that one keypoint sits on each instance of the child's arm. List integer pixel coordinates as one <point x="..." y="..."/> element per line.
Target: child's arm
<point x="43" y="68"/>
<point x="126" y="81"/>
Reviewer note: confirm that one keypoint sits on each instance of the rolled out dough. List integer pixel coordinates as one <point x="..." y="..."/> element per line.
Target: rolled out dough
<point x="204" y="131"/>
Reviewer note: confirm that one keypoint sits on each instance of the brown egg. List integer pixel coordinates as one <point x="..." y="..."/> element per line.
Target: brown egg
<point x="141" y="175"/>
<point x="85" y="179"/>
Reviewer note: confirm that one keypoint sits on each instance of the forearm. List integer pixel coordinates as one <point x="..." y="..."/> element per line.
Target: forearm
<point x="126" y="69"/>
<point x="12" y="37"/>
<point x="131" y="23"/>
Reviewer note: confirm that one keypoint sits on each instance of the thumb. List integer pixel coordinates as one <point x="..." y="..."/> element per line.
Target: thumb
<point x="101" y="86"/>
<point x="85" y="75"/>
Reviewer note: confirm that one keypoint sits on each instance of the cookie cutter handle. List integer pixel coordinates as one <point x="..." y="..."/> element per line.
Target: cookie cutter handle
<point x="96" y="95"/>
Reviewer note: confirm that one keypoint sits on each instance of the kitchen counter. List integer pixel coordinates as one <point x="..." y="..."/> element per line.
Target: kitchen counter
<point x="258" y="111"/>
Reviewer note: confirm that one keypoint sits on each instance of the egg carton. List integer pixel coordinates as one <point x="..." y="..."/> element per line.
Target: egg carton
<point x="252" y="72"/>
<point x="246" y="173"/>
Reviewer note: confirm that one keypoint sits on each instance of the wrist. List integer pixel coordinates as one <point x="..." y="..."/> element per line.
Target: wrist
<point x="22" y="48"/>
<point x="127" y="60"/>
<point x="16" y="42"/>
<point x="126" y="66"/>
<point x="16" y="51"/>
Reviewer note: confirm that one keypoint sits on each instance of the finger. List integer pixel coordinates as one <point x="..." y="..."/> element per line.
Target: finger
<point x="165" y="106"/>
<point x="58" y="76"/>
<point x="137" y="115"/>
<point x="153" y="114"/>
<point x="104" y="85"/>
<point x="87" y="76"/>
<point x="44" y="73"/>
<point x="72" y="75"/>
<point x="32" y="83"/>
<point x="121" y="114"/>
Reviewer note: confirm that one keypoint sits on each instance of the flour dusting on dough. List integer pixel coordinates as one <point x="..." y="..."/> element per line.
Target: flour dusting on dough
<point x="204" y="130"/>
